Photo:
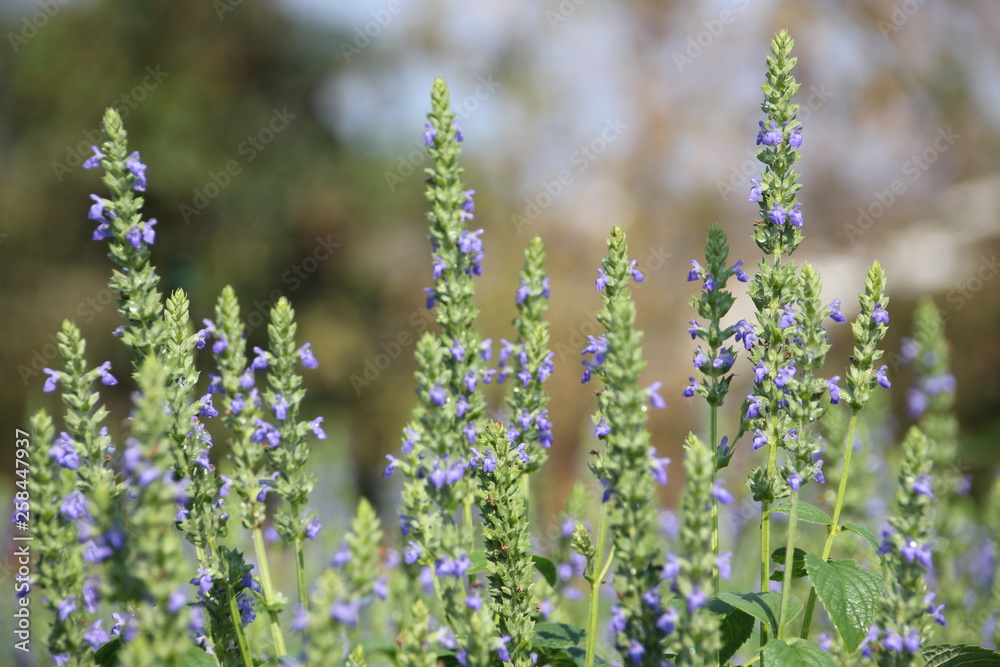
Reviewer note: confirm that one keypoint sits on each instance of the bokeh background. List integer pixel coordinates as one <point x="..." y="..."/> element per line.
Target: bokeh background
<point x="283" y="141"/>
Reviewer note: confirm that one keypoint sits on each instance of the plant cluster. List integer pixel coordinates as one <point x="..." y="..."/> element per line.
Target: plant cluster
<point x="141" y="529"/>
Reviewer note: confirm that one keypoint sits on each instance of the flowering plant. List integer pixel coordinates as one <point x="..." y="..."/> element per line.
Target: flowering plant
<point x="112" y="516"/>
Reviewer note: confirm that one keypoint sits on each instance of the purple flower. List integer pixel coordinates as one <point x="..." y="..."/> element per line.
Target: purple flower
<point x="923" y="486"/>
<point x="429" y="133"/>
<point x="66" y="607"/>
<point x="724" y="360"/>
<point x="602" y="280"/>
<point x="138" y="170"/>
<point x="306" y="356"/>
<point x="203" y="460"/>
<point x="523" y="292"/>
<point x="635" y="652"/>
<point x="470" y="432"/>
<point x="207" y="409"/>
<point x="795" y="137"/>
<point x="96" y="635"/>
<point x="756" y="191"/>
<point x="469" y="242"/>
<point x="468" y="205"/>
<point x="940" y="384"/>
<point x="546" y="367"/>
<point x="720" y="494"/>
<point x="881" y="377"/>
<point x="770" y="135"/>
<point x="438" y="395"/>
<point x="795" y="216"/>
<point x="265" y="431"/>
<point x="458" y="131"/>
<point x="760" y="372"/>
<point x="835" y="313"/>
<point x="724" y="563"/>
<point x="753" y="407"/>
<point x="710" y="283"/>
<point x="695" y="272"/>
<point x="691" y="389"/>
<point x="602" y="429"/>
<point x="431" y="297"/>
<point x="175" y="602"/>
<point x="777" y="215"/>
<point x="317" y="429"/>
<point x="892" y="642"/>
<point x="64" y="452"/>
<point x="880" y="315"/>
<point x="489" y="463"/>
<point x="94" y="160"/>
<point x="474" y="602"/>
<point x="313" y="528"/>
<point x="794" y="480"/>
<point x="831" y="384"/>
<point x="654" y="396"/>
<point x="502" y="652"/>
<point x="391" y="468"/>
<point x="699" y="358"/>
<point x="785" y="375"/>
<point x="342" y="557"/>
<point x="280" y="408"/>
<point x="345" y="612"/>
<point x="740" y="273"/>
<point x="203" y="581"/>
<point x="546" y="288"/>
<point x="787" y="317"/>
<point x="412" y="552"/>
<point x="636" y="273"/>
<point x="134" y="237"/>
<point x="74" y="506"/>
<point x="936" y="611"/>
<point x="746" y="332"/>
<point x="618" y="619"/>
<point x="696" y="599"/>
<point x="457" y="351"/>
<point x="912" y="641"/>
<point x="671" y="568"/>
<point x="667" y="622"/>
<point x="658" y="466"/>
<point x="759" y="439"/>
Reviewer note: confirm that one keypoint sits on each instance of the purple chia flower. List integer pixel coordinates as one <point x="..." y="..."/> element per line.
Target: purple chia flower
<point x="720" y="494"/>
<point x="306" y="356"/>
<point x="412" y="552"/>
<point x="96" y="635"/>
<point x="671" y="568"/>
<point x="64" y="452"/>
<point x="438" y="395"/>
<point x="175" y="602"/>
<point x="756" y="191"/>
<point x="923" y="486"/>
<point x="691" y="389"/>
<point x="835" y="314"/>
<point x="74" y="506"/>
<point x="724" y="361"/>
<point x="940" y="384"/>
<point x="795" y="137"/>
<point x="696" y="599"/>
<point x="66" y="607"/>
<point x="266" y="431"/>
<point x="203" y="581"/>
<point x="502" y="651"/>
<point x="469" y="242"/>
<point x="618" y="619"/>
<point x="470" y="432"/>
<point x="753" y="407"/>
<point x="220" y="345"/>
<point x="831" y="384"/>
<point x="391" y="468"/>
<point x="760" y="372"/>
<point x="203" y="460"/>
<point x="880" y="315"/>
<point x="313" y="528"/>
<point x="881" y="377"/>
<point x="429" y="133"/>
<point x="138" y="170"/>
<point x="695" y="272"/>
<point x="636" y="273"/>
<point x="207" y="409"/>
<point x="345" y="612"/>
<point x="602" y="280"/>
<point x="740" y="273"/>
<point x="785" y="375"/>
<point x="710" y="283"/>
<point x="787" y="317"/>
<point x="759" y="439"/>
<point x="474" y="602"/>
<point x="770" y="135"/>
<point x="489" y="463"/>
<point x="523" y="292"/>
<point x="317" y="429"/>
<point x="658" y="466"/>
<point x="745" y="332"/>
<point x="724" y="563"/>
<point x="343" y="556"/>
<point x="699" y="358"/>
<point x="280" y="408"/>
<point x="635" y="652"/>
<point x="602" y="429"/>
<point x="794" y="480"/>
<point x="912" y="641"/>
<point x="654" y="396"/>
<point x="795" y="216"/>
<point x="667" y="621"/>
<point x="546" y="367"/>
<point x="935" y="611"/>
<point x="777" y="215"/>
<point x="94" y="160"/>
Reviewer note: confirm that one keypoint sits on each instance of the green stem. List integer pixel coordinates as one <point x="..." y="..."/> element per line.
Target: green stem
<point x="234" y="611"/>
<point x="786" y="584"/>
<point x="765" y="542"/>
<point x="268" y="590"/>
<point x="300" y="574"/>
<point x="714" y="434"/>
<point x="834" y="529"/>
<point x="595" y="587"/>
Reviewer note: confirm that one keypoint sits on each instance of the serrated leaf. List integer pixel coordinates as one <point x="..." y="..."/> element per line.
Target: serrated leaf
<point x="849" y="594"/>
<point x="479" y="561"/>
<point x="557" y="635"/>
<point x="107" y="654"/>
<point x="763" y="606"/>
<point x="796" y="653"/>
<point x="806" y="512"/>
<point x="735" y="625"/>
<point x="196" y="657"/>
<point x="798" y="563"/>
<point x="547" y="569"/>
<point x="868" y="535"/>
<point x="960" y="655"/>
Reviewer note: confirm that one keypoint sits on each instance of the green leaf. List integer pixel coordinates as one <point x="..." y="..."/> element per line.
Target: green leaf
<point x="736" y="626"/>
<point x="547" y="568"/>
<point x="960" y="655"/>
<point x="763" y="606"/>
<point x="796" y="653"/>
<point x="196" y="657"/>
<point x="849" y="594"/>
<point x="107" y="655"/>
<point x="868" y="535"/>
<point x="808" y="513"/>
<point x="798" y="563"/>
<point x="579" y="657"/>
<point x="557" y="635"/>
<point x="373" y="645"/>
<point x="479" y="562"/>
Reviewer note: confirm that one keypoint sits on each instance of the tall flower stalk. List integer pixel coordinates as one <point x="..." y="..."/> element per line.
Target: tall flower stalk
<point x="629" y="467"/>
